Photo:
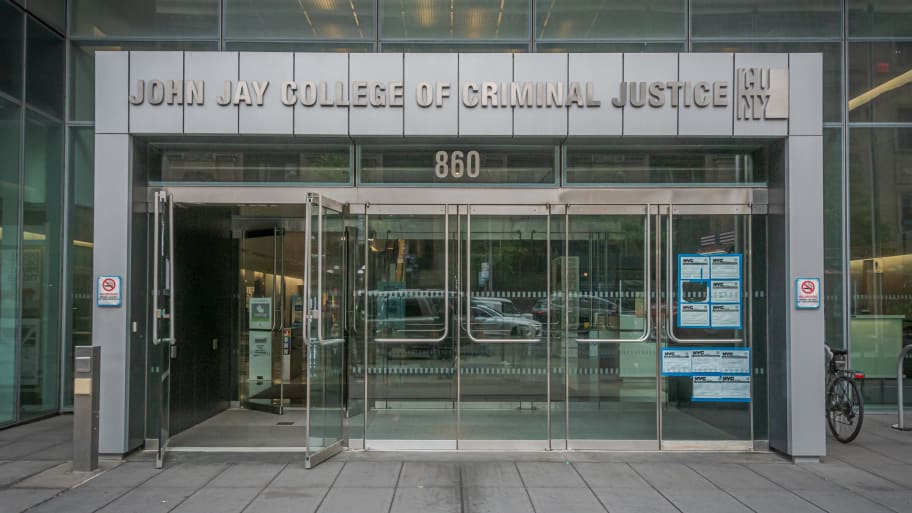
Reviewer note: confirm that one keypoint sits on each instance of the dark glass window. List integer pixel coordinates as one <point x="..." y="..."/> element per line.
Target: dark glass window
<point x="687" y="165"/>
<point x="11" y="49"/>
<point x="103" y="19"/>
<point x="832" y="66"/>
<point x="10" y="141"/>
<point x="52" y="12"/>
<point x="606" y="47"/>
<point x="834" y="300"/>
<point x="464" y="20"/>
<point x="597" y="19"/>
<point x="299" y="19"/>
<point x="880" y="18"/>
<point x="44" y="69"/>
<point x="766" y="18"/>
<point x="880" y="81"/>
<point x="417" y="164"/>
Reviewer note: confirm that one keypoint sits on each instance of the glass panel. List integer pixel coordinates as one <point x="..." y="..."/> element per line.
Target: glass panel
<point x="597" y="47"/>
<point x="299" y="19"/>
<point x="413" y="164"/>
<point x="656" y="165"/>
<point x="504" y="353"/>
<point x="79" y="267"/>
<point x="52" y="12"/>
<point x="10" y="139"/>
<point x="834" y="299"/>
<point x="880" y="18"/>
<point x="44" y="72"/>
<point x="265" y="46"/>
<point x="39" y="370"/>
<point x="880" y="81"/>
<point x="82" y="70"/>
<point x="462" y="46"/>
<point x="612" y="387"/>
<point x="11" y="49"/>
<point x="880" y="174"/>
<point x="832" y="66"/>
<point x="248" y="163"/>
<point x="766" y="18"/>
<point x="327" y="353"/>
<point x="467" y="19"/>
<point x="411" y="385"/>
<point x="697" y="406"/>
<point x="593" y="19"/>
<point x="102" y="19"/>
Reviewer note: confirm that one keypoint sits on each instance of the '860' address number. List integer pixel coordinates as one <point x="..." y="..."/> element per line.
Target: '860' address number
<point x="457" y="163"/>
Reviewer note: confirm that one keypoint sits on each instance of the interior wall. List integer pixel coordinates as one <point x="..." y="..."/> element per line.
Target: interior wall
<point x="205" y="263"/>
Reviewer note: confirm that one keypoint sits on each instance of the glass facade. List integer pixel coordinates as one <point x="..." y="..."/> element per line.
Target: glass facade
<point x="46" y="133"/>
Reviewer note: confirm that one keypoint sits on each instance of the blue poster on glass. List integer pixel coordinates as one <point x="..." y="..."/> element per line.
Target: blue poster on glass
<point x="709" y="291"/>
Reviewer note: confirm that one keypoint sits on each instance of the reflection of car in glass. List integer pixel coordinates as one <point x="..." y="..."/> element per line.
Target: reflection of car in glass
<point x="589" y="308"/>
<point x="489" y="323"/>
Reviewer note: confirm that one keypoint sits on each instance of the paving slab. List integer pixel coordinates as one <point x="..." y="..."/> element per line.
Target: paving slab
<point x="496" y="500"/>
<point x="126" y="474"/>
<point x="672" y="476"/>
<point x="80" y="500"/>
<point x="284" y="500"/>
<point x="18" y="470"/>
<point x="732" y="476"/>
<point x="149" y="500"/>
<point x="900" y="501"/>
<point x="185" y="475"/>
<point x="843" y="502"/>
<point x="704" y="501"/>
<point x="62" y="476"/>
<point x="427" y="500"/>
<point x="562" y="500"/>
<point x="536" y="474"/>
<point x="490" y="474"/>
<point x="418" y="474"/>
<point x="795" y="477"/>
<point x="220" y="500"/>
<point x="14" y="500"/>
<point x="852" y="477"/>
<point x="357" y="500"/>
<point x="369" y="474"/>
<point x="774" y="501"/>
<point x="256" y="475"/>
<point x="611" y="475"/>
<point x="295" y="475"/>
<point x="634" y="500"/>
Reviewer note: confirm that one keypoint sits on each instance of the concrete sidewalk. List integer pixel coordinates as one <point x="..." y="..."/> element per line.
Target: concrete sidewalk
<point x="874" y="474"/>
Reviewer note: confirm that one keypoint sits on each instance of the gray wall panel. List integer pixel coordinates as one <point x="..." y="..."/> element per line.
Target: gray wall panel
<point x="806" y="327"/>
<point x="434" y="69"/>
<point x="805" y="94"/>
<point x="604" y="70"/>
<point x="272" y="117"/>
<point x="479" y="68"/>
<point x="383" y="68"/>
<point x="164" y="118"/>
<point x="711" y="120"/>
<point x="112" y="74"/>
<point x="111" y="257"/>
<point x="328" y="68"/>
<point x="540" y="67"/>
<point x="647" y="120"/>
<point x="759" y="126"/>
<point x="214" y="68"/>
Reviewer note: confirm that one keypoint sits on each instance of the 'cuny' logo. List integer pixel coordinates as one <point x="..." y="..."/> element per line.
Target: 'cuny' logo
<point x="762" y="93"/>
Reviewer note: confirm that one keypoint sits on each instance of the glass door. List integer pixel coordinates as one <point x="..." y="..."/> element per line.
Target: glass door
<point x="163" y="310"/>
<point x="503" y="349"/>
<point x="405" y="316"/>
<point x="605" y="308"/>
<point x="707" y="387"/>
<point x="325" y="298"/>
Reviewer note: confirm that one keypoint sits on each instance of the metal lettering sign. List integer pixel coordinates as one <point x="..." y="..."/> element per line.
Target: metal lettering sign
<point x="760" y="93"/>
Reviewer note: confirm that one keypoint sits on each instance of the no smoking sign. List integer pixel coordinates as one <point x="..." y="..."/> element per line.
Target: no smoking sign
<point x="109" y="291"/>
<point x="807" y="293"/>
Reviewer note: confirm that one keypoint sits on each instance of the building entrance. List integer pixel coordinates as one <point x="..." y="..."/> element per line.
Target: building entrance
<point x="460" y="326"/>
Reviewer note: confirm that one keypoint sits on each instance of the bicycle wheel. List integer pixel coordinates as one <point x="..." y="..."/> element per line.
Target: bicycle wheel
<point x="845" y="409"/>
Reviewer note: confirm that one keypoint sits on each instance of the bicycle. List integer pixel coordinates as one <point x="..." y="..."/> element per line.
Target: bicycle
<point x="844" y="404"/>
